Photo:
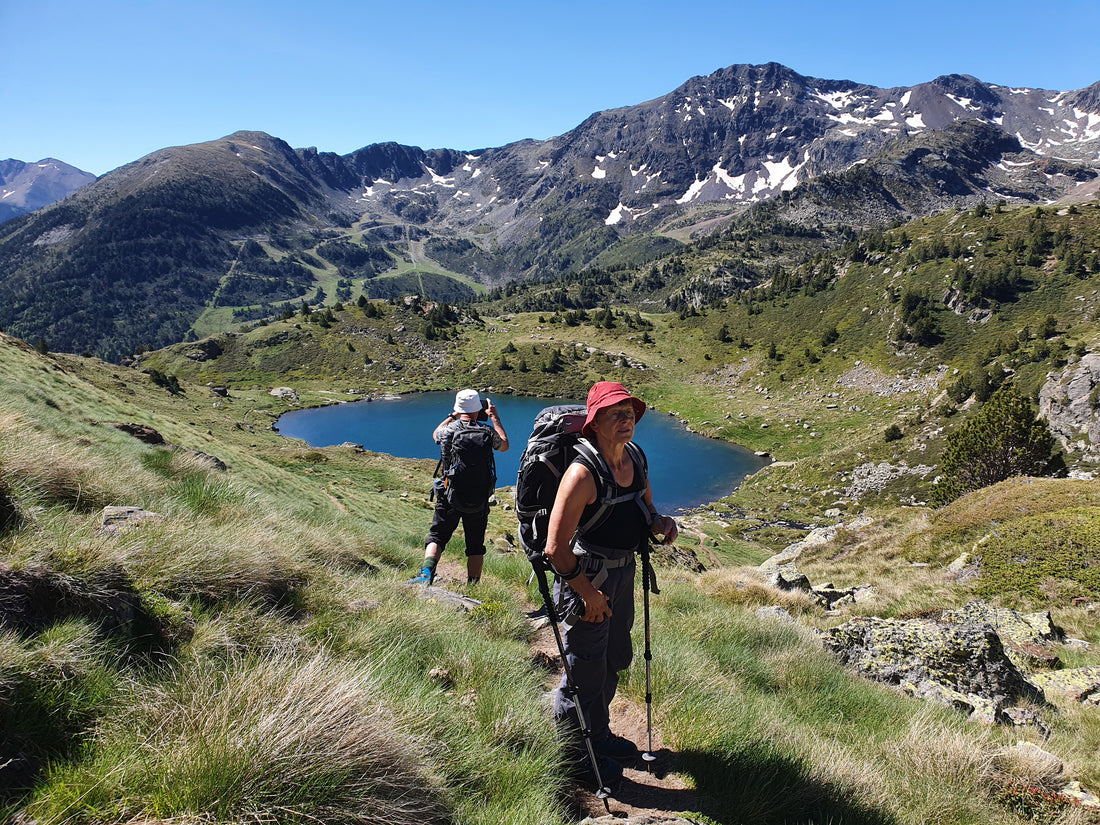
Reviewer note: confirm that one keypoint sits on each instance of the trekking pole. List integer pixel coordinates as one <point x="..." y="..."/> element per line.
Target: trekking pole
<point x="649" y="582"/>
<point x="602" y="791"/>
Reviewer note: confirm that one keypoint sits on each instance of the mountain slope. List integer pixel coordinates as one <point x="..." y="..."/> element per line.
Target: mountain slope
<point x="134" y="258"/>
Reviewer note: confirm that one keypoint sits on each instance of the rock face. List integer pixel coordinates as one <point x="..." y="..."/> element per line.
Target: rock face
<point x="1068" y="404"/>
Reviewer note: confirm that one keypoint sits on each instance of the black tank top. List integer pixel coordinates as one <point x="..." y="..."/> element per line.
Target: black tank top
<point x="624" y="530"/>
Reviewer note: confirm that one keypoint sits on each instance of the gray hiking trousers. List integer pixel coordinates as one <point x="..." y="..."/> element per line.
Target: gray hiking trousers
<point x="595" y="651"/>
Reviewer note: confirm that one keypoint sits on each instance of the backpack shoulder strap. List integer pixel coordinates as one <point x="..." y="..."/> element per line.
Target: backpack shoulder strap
<point x="605" y="483"/>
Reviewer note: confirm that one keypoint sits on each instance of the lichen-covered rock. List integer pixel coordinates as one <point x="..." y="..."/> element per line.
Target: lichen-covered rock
<point x="967" y="659"/>
<point x="1078" y="684"/>
<point x="1025" y="636"/>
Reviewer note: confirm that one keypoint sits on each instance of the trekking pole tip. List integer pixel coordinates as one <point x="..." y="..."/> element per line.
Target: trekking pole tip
<point x="604" y="794"/>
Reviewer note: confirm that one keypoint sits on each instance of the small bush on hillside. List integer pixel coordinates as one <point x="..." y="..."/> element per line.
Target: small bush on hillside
<point x="1002" y="439"/>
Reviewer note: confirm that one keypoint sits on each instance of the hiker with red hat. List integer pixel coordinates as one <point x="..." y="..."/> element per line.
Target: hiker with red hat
<point x="594" y="586"/>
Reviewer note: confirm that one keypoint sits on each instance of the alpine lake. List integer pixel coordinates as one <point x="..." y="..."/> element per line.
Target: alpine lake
<point x="686" y="470"/>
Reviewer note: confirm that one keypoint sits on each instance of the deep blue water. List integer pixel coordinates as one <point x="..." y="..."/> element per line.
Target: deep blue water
<point x="685" y="469"/>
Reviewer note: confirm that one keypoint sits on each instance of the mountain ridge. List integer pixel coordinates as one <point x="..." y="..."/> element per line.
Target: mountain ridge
<point x="712" y="148"/>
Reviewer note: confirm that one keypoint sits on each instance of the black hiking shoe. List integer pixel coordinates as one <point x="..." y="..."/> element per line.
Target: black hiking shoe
<point x="611" y="772"/>
<point x="617" y="747"/>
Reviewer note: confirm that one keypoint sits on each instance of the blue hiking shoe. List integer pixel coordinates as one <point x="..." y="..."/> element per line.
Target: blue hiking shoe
<point x="425" y="576"/>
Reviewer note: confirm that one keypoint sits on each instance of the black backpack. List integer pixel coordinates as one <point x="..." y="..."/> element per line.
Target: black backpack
<point x="555" y="441"/>
<point x="469" y="468"/>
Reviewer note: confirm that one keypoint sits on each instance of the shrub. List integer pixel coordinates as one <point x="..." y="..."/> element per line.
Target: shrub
<point x="1002" y="439"/>
<point x="1035" y="804"/>
<point x="893" y="433"/>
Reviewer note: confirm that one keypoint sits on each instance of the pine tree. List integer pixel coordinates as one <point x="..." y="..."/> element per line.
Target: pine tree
<point x="1002" y="439"/>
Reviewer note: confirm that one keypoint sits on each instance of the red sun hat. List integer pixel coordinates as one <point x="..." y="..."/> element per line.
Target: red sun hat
<point x="607" y="394"/>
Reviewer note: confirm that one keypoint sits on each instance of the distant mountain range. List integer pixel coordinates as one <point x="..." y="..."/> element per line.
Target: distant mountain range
<point x="136" y="257"/>
<point x="25" y="187"/>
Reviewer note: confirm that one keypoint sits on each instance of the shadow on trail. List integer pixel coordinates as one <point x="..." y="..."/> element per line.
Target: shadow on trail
<point x="769" y="788"/>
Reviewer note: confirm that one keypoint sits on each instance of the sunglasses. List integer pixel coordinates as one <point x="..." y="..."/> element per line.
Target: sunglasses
<point x="618" y="415"/>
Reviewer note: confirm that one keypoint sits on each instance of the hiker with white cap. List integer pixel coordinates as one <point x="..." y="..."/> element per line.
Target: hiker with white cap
<point x="468" y="479"/>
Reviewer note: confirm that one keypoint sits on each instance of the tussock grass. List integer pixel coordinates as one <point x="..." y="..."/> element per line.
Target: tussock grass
<point x="53" y="473"/>
<point x="748" y="587"/>
<point x="51" y="689"/>
<point x="273" y="739"/>
<point x="213" y="562"/>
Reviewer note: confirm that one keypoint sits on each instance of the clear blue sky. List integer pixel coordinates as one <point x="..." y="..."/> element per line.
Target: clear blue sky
<point x="99" y="83"/>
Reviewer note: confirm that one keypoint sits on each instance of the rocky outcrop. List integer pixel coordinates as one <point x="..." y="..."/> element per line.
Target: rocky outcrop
<point x="1068" y="401"/>
<point x="1081" y="684"/>
<point x="816" y="537"/>
<point x="788" y="578"/>
<point x="963" y="663"/>
<point x="286" y="394"/>
<point x="974" y="659"/>
<point x="204" y="350"/>
<point x="782" y="574"/>
<point x="1026" y="637"/>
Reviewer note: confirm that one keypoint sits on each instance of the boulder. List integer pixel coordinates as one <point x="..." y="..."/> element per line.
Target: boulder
<point x="116" y="520"/>
<point x="958" y="660"/>
<point x="142" y="432"/>
<point x="285" y="393"/>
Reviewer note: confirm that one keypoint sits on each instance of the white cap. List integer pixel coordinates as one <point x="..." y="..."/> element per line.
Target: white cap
<point x="467" y="401"/>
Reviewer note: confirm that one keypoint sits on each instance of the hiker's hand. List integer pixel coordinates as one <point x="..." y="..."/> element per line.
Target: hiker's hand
<point x="596" y="607"/>
<point x="666" y="526"/>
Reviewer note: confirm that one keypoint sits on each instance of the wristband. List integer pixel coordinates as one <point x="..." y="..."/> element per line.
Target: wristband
<point x="568" y="578"/>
